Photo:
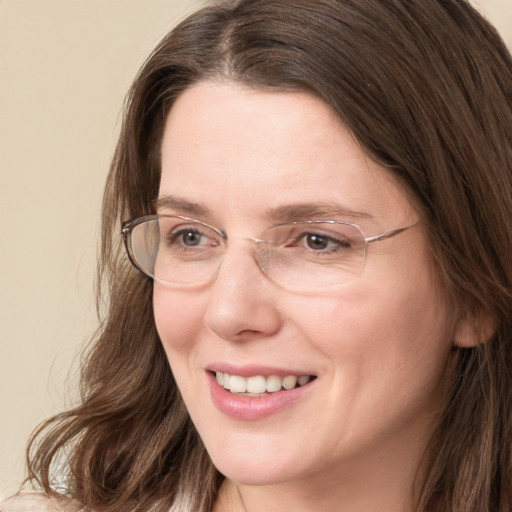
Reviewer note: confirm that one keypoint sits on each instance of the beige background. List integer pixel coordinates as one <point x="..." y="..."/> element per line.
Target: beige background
<point x="65" y="66"/>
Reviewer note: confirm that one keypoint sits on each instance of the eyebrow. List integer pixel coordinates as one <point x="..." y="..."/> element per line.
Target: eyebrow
<point x="322" y="210"/>
<point x="179" y="204"/>
<point x="284" y="213"/>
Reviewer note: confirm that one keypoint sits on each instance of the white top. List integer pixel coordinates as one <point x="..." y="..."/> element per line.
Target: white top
<point x="32" y="502"/>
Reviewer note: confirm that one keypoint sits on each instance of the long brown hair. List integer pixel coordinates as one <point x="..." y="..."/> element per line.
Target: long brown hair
<point x="425" y="86"/>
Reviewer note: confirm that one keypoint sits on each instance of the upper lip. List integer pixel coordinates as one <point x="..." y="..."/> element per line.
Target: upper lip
<point x="255" y="369"/>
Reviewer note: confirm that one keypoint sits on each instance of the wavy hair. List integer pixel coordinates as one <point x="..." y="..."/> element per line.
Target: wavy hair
<point x="425" y="86"/>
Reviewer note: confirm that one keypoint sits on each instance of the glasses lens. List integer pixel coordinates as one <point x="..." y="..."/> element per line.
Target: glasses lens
<point x="303" y="257"/>
<point x="176" y="250"/>
<point x="144" y="239"/>
<point x="313" y="256"/>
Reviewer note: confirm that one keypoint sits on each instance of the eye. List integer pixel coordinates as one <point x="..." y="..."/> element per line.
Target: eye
<point x="189" y="237"/>
<point x="321" y="242"/>
<point x="317" y="242"/>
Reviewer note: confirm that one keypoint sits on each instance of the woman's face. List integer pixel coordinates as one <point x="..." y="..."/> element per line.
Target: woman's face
<point x="376" y="348"/>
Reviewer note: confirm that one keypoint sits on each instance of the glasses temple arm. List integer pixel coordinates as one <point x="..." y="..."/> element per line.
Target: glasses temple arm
<point x="389" y="234"/>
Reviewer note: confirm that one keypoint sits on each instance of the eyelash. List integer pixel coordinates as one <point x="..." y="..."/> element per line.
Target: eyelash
<point x="177" y="237"/>
<point x="339" y="244"/>
<point x="334" y="243"/>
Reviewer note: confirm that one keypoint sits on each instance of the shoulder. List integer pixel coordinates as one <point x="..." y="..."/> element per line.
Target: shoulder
<point x="33" y="502"/>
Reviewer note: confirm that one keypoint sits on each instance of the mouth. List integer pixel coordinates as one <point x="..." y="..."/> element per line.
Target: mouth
<point x="260" y="385"/>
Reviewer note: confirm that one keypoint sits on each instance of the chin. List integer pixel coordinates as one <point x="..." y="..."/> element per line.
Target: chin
<point x="247" y="473"/>
<point x="258" y="465"/>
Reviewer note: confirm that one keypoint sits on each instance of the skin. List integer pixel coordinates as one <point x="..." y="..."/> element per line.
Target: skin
<point x="380" y="346"/>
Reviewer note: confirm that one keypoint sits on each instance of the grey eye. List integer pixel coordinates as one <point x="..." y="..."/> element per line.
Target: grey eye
<point x="191" y="238"/>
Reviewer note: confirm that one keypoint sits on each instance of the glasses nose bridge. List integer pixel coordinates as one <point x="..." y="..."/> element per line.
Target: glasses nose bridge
<point x="256" y="245"/>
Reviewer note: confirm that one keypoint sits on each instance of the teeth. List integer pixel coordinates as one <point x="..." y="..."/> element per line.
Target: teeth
<point x="258" y="385"/>
<point x="274" y="383"/>
<point x="303" y="379"/>
<point x="237" y="384"/>
<point x="289" y="382"/>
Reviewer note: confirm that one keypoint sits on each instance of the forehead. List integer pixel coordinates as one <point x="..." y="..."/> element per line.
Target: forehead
<point x="231" y="149"/>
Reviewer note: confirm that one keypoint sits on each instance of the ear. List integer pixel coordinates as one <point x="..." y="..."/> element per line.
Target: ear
<point x="474" y="329"/>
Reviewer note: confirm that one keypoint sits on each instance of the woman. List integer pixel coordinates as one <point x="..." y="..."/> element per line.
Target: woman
<point x="318" y="195"/>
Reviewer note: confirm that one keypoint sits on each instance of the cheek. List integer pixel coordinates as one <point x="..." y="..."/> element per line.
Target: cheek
<point x="389" y="332"/>
<point x="390" y="351"/>
<point x="401" y="304"/>
<point x="178" y="318"/>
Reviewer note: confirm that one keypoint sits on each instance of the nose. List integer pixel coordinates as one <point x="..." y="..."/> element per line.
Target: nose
<point x="242" y="304"/>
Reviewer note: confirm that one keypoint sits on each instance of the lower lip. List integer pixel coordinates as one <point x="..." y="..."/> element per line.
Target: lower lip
<point x="254" y="408"/>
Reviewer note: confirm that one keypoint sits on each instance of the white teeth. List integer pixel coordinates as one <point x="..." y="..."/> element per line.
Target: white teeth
<point x="237" y="384"/>
<point x="289" y="382"/>
<point x="303" y="379"/>
<point x="274" y="383"/>
<point x="258" y="385"/>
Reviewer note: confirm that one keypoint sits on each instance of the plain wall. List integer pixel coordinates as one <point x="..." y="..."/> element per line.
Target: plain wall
<point x="65" y="66"/>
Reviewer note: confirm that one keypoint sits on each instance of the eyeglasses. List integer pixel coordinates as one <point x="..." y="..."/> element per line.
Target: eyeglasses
<point x="302" y="257"/>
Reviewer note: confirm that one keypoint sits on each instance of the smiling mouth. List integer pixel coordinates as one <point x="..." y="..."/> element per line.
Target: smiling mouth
<point x="260" y="385"/>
